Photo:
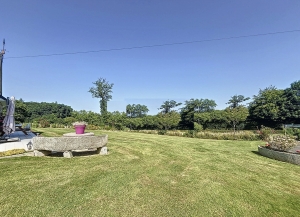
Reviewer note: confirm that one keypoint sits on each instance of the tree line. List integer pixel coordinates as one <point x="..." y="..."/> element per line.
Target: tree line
<point x="271" y="107"/>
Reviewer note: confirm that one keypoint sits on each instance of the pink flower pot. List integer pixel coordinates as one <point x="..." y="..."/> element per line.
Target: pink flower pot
<point x="79" y="129"/>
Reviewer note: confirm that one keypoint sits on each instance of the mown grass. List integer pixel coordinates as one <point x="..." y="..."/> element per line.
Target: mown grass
<point x="151" y="175"/>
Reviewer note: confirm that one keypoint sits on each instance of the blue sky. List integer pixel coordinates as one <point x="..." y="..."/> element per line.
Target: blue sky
<point x="214" y="70"/>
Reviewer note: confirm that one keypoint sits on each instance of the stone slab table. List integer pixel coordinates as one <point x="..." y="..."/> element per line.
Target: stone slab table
<point x="70" y="142"/>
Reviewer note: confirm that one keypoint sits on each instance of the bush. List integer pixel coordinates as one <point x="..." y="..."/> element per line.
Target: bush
<point x="293" y="132"/>
<point x="175" y="133"/>
<point x="43" y="123"/>
<point x="265" y="133"/>
<point x="190" y="133"/>
<point x="242" y="135"/>
<point x="197" y="127"/>
<point x="92" y="127"/>
<point x="162" y="132"/>
<point x="281" y="143"/>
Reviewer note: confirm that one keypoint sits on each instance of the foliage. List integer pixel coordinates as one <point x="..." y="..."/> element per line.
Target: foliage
<point x="197" y="127"/>
<point x="217" y="119"/>
<point x="43" y="123"/>
<point x="87" y="116"/>
<point x="267" y="107"/>
<point x="291" y="107"/>
<point x="167" y="106"/>
<point x="203" y="119"/>
<point x="69" y="120"/>
<point x="235" y="115"/>
<point x="116" y="120"/>
<point x="265" y="133"/>
<point x="270" y="107"/>
<point x="281" y="143"/>
<point x="162" y="132"/>
<point x="21" y="111"/>
<point x="293" y="132"/>
<point x="236" y="101"/>
<point x="168" y="120"/>
<point x="136" y="111"/>
<point x="76" y="123"/>
<point x="194" y="106"/>
<point x="40" y="109"/>
<point x="102" y="90"/>
<point x="241" y="135"/>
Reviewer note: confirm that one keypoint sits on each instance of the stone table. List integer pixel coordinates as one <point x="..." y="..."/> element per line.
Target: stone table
<point x="70" y="142"/>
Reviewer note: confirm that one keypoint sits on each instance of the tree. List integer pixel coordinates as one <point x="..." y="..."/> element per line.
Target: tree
<point x="194" y="106"/>
<point x="291" y="108"/>
<point x="168" y="120"/>
<point x="103" y="91"/>
<point x="236" y="100"/>
<point x="39" y="109"/>
<point x="21" y="111"/>
<point x="203" y="105"/>
<point x="267" y="107"/>
<point x="168" y="105"/>
<point x="236" y="115"/>
<point x="134" y="111"/>
<point x="130" y="110"/>
<point x="203" y="118"/>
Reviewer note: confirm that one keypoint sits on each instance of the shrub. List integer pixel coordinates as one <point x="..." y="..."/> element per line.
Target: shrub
<point x="197" y="127"/>
<point x="242" y="135"/>
<point x="175" y="133"/>
<point x="293" y="132"/>
<point x="190" y="133"/>
<point x="281" y="143"/>
<point x="162" y="132"/>
<point x="92" y="127"/>
<point x="265" y="133"/>
<point x="44" y="123"/>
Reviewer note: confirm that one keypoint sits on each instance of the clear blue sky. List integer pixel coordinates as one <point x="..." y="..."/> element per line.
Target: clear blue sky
<point x="214" y="70"/>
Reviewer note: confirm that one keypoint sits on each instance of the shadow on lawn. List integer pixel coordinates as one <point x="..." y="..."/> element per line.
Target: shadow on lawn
<point x="256" y="152"/>
<point x="75" y="154"/>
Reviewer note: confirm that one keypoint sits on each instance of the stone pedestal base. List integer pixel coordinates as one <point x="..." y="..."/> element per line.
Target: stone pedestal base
<point x="41" y="153"/>
<point x="68" y="154"/>
<point x="102" y="151"/>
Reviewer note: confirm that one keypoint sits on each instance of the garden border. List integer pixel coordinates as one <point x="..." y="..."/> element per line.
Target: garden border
<point x="278" y="155"/>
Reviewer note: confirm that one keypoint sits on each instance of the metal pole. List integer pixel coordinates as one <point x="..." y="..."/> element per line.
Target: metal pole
<point x="1" y="63"/>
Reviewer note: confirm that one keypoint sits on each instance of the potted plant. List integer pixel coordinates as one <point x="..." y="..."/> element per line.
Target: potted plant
<point x="80" y="126"/>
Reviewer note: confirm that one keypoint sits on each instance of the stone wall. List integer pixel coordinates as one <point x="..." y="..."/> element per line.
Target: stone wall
<point x="281" y="156"/>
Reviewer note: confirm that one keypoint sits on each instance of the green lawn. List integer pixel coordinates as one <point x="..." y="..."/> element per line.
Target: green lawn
<point x="151" y="175"/>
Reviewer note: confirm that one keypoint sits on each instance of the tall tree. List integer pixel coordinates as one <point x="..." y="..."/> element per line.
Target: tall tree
<point x="291" y="108"/>
<point x="236" y="100"/>
<point x="266" y="107"/>
<point x="167" y="106"/>
<point x="102" y="90"/>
